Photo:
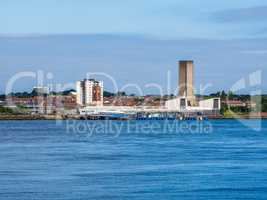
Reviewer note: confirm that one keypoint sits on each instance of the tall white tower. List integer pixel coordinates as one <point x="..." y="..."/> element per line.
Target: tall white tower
<point x="89" y="92"/>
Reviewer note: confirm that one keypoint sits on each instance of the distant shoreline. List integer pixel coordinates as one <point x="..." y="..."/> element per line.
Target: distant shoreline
<point x="58" y="117"/>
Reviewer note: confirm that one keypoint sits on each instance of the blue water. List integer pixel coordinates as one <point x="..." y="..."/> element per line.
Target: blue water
<point x="49" y="160"/>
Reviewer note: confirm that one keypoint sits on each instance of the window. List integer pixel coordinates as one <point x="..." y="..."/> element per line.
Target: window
<point x="182" y="103"/>
<point x="216" y="103"/>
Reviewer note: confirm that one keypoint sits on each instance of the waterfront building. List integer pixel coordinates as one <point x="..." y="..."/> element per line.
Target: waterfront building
<point x="186" y="81"/>
<point x="182" y="104"/>
<point x="186" y="100"/>
<point x="89" y="92"/>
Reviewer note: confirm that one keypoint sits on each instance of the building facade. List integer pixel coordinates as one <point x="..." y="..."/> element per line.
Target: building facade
<point x="186" y="100"/>
<point x="89" y="92"/>
<point x="186" y="80"/>
<point x="210" y="106"/>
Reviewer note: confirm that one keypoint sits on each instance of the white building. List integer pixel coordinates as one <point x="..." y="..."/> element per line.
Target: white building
<point x="182" y="104"/>
<point x="89" y="92"/>
<point x="186" y="101"/>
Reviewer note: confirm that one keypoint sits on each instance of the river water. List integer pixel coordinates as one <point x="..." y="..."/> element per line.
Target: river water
<point x="220" y="159"/>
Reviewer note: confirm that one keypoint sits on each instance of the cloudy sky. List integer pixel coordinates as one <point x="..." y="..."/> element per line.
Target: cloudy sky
<point x="135" y="42"/>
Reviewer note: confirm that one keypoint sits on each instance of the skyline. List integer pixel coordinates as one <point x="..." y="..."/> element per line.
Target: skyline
<point x="133" y="99"/>
<point x="227" y="40"/>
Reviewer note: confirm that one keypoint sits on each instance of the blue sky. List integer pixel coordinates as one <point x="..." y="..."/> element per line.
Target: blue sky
<point x="133" y="39"/>
<point x="162" y="19"/>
